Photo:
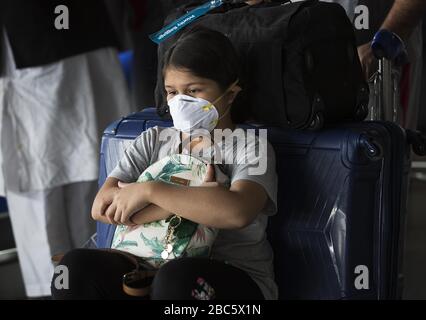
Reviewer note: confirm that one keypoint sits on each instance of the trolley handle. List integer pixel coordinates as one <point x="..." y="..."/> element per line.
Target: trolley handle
<point x="388" y="45"/>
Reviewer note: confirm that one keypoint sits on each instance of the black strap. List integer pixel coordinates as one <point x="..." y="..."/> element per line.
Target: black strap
<point x="136" y="283"/>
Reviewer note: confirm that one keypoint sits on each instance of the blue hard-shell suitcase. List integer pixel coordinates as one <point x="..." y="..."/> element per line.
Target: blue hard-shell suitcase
<point x="338" y="233"/>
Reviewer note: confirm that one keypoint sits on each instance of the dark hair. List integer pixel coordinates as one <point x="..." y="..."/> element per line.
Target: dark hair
<point x="207" y="54"/>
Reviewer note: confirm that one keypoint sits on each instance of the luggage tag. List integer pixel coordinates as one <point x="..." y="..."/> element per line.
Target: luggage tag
<point x="185" y="20"/>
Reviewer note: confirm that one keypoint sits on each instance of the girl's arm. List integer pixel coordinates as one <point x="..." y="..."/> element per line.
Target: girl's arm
<point x="105" y="197"/>
<point x="149" y="214"/>
<point x="213" y="206"/>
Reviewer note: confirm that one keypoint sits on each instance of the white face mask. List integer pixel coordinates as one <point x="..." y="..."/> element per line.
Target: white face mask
<point x="191" y="113"/>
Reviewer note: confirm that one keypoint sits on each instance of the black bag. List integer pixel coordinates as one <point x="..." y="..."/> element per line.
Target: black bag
<point x="300" y="64"/>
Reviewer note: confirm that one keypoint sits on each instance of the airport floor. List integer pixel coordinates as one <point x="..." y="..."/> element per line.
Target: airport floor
<point x="414" y="254"/>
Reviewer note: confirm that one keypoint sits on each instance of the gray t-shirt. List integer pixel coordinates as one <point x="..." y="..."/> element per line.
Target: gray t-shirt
<point x="247" y="248"/>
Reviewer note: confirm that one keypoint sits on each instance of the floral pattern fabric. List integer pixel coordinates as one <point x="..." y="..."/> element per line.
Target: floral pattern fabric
<point x="148" y="240"/>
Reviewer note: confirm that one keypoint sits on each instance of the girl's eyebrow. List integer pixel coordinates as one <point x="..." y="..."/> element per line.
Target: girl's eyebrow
<point x="192" y="83"/>
<point x="186" y="85"/>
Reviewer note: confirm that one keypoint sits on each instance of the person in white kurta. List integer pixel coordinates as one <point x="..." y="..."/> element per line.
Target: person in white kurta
<point x="51" y="120"/>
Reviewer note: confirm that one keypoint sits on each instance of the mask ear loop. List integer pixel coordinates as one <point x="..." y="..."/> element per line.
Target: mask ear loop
<point x="226" y="91"/>
<point x="218" y="99"/>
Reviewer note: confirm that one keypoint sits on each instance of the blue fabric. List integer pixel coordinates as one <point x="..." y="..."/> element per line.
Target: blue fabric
<point x="3" y="205"/>
<point x="183" y="21"/>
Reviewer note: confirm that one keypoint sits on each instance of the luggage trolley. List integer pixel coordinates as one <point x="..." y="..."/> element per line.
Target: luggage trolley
<point x="391" y="53"/>
<point x="385" y="104"/>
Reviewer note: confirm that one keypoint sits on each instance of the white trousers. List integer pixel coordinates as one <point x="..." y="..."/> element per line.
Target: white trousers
<point x="49" y="222"/>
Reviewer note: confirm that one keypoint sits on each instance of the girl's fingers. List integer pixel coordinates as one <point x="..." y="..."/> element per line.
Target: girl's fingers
<point x="111" y="212"/>
<point x="210" y="175"/>
<point x="117" y="216"/>
<point x="124" y="219"/>
<point x="123" y="184"/>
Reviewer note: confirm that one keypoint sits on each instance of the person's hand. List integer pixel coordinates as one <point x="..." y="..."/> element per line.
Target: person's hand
<point x="369" y="62"/>
<point x="102" y="201"/>
<point x="130" y="199"/>
<point x="210" y="178"/>
<point x="122" y="185"/>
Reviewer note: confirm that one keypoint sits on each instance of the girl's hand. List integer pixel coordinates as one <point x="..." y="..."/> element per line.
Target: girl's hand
<point x="130" y="199"/>
<point x="122" y="185"/>
<point x="210" y="178"/>
<point x="103" y="199"/>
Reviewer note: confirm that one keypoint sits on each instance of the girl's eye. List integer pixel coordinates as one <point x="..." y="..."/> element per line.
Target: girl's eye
<point x="171" y="93"/>
<point x="193" y="91"/>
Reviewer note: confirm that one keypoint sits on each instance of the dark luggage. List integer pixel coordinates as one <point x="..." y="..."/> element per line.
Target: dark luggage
<point x="342" y="206"/>
<point x="300" y="63"/>
<point x="338" y="233"/>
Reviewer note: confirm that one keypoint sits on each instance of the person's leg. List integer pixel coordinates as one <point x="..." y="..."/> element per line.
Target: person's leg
<point x="78" y="200"/>
<point x="203" y="279"/>
<point x="28" y="219"/>
<point x="52" y="202"/>
<point x="26" y="209"/>
<point x="93" y="274"/>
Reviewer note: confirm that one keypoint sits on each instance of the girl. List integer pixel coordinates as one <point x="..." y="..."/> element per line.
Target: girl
<point x="201" y="67"/>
